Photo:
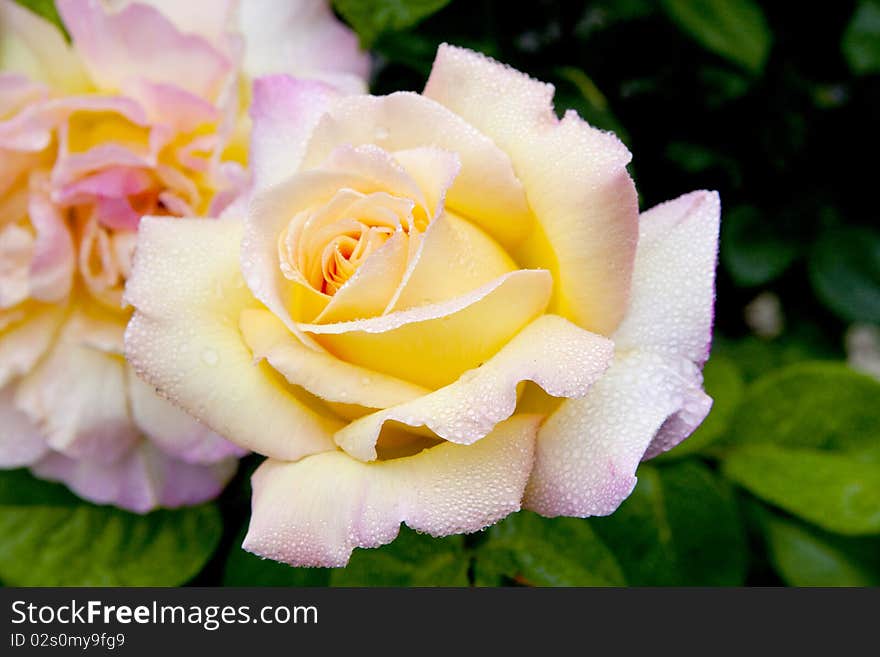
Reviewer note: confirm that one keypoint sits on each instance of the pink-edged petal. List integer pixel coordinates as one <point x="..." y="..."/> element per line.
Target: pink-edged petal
<point x="184" y="339"/>
<point x="110" y="183"/>
<point x="285" y="110"/>
<point x="140" y="41"/>
<point x="171" y="106"/>
<point x="301" y="38"/>
<point x="173" y="431"/>
<point x="678" y="426"/>
<point x="22" y="127"/>
<point x="77" y="393"/>
<point x="211" y="19"/>
<point x="21" y="441"/>
<point x="588" y="450"/>
<point x="52" y="263"/>
<point x="673" y="290"/>
<point x="16" y="93"/>
<point x="574" y="175"/>
<point x="315" y="512"/>
<point x="141" y="480"/>
<point x="33" y="47"/>
<point x="560" y="357"/>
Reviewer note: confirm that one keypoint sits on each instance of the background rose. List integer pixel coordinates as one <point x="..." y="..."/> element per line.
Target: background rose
<point x="406" y="262"/>
<point x="143" y="112"/>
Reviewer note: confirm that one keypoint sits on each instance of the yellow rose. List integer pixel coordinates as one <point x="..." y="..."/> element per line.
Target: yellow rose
<point x="433" y="312"/>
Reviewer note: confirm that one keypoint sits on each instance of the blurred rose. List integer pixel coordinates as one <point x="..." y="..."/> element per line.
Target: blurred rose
<point x="439" y="308"/>
<point x="144" y="112"/>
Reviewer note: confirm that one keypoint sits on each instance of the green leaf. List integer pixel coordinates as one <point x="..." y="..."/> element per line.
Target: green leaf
<point x="528" y="549"/>
<point x="753" y="248"/>
<point x="756" y="357"/>
<point x="50" y="538"/>
<point x="724" y="383"/>
<point x="737" y="31"/>
<point x="807" y="439"/>
<point x="861" y="41"/>
<point x="411" y="560"/>
<point x="245" y="569"/>
<point x="46" y="9"/>
<point x="817" y="405"/>
<point x="371" y="18"/>
<point x="806" y="556"/>
<point x="838" y="492"/>
<point x="845" y="272"/>
<point x="681" y="526"/>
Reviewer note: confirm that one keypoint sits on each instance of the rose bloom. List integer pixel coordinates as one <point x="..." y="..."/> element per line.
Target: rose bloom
<point x="438" y="309"/>
<point x="144" y="112"/>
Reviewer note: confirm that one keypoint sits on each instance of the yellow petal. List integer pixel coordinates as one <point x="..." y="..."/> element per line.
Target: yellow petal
<point x="269" y="215"/>
<point x="320" y="373"/>
<point x="453" y="258"/>
<point x="486" y="190"/>
<point x="184" y="339"/>
<point x="562" y="358"/>
<point x="574" y="175"/>
<point x="433" y="345"/>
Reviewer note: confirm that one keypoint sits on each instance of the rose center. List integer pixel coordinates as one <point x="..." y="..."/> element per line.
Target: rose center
<point x="325" y="247"/>
<point x="344" y="253"/>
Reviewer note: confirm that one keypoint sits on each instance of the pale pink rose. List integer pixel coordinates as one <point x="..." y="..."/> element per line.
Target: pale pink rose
<point x="144" y="112"/>
<point x="439" y="309"/>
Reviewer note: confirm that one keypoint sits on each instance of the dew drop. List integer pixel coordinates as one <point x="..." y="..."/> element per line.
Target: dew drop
<point x="210" y="357"/>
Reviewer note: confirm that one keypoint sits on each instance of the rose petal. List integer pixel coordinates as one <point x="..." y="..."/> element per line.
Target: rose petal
<point x="588" y="451"/>
<point x="560" y="357"/>
<point x="304" y="39"/>
<point x="24" y="341"/>
<point x="143" y="479"/>
<point x="372" y="286"/>
<point x="169" y="105"/>
<point x="320" y="373"/>
<point x="432" y="345"/>
<point x="453" y="258"/>
<point x="33" y="47"/>
<point x="173" y="431"/>
<point x="21" y="441"/>
<point x="575" y="177"/>
<point x="16" y="250"/>
<point x="184" y="339"/>
<point x="52" y="263"/>
<point x="272" y="210"/>
<point x="285" y="110"/>
<point x="486" y="191"/>
<point x="140" y="40"/>
<point x="17" y="92"/>
<point x="210" y="19"/>
<point x="316" y="511"/>
<point x="22" y="127"/>
<point x="673" y="289"/>
<point x="77" y="394"/>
